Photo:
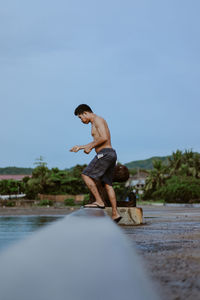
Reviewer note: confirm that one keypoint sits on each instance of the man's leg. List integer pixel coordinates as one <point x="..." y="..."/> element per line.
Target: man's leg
<point x="93" y="188"/>
<point x="113" y="201"/>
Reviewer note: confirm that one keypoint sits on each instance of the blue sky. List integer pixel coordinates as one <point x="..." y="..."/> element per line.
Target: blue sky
<point x="136" y="63"/>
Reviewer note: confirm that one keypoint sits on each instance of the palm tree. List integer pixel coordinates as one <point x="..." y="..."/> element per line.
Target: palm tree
<point x="196" y="165"/>
<point x="157" y="176"/>
<point x="185" y="164"/>
<point x="175" y="162"/>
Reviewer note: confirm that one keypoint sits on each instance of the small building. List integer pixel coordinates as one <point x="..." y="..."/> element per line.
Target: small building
<point x="137" y="181"/>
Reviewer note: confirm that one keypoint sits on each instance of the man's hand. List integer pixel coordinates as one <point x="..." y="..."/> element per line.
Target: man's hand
<point x="87" y="149"/>
<point x="75" y="149"/>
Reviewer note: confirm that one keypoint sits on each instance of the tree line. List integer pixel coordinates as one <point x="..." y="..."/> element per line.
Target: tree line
<point x="15" y="171"/>
<point x="176" y="181"/>
<point x="51" y="181"/>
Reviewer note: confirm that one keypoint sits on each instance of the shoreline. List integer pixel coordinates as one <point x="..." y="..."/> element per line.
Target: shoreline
<point x="65" y="210"/>
<point x="36" y="211"/>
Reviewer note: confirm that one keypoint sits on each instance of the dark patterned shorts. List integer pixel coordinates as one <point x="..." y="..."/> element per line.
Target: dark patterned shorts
<point x="102" y="166"/>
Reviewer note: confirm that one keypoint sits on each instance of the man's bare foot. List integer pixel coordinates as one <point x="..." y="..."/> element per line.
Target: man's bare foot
<point x="115" y="216"/>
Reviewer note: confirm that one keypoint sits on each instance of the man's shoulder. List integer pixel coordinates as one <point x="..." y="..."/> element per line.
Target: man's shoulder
<point x="99" y="119"/>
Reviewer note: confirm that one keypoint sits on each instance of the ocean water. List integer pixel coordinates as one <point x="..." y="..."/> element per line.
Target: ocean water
<point x="16" y="228"/>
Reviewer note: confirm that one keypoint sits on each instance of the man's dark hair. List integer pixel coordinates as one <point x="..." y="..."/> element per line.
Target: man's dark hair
<point x="81" y="109"/>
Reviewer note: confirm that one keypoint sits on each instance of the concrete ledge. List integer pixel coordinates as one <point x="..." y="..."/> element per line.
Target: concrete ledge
<point x="130" y="215"/>
<point x="84" y="256"/>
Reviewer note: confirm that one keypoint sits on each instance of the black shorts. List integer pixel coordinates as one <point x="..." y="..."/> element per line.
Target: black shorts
<point x="102" y="166"/>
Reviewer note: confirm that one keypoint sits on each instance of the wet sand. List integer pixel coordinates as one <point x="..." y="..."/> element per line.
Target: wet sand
<point x="169" y="244"/>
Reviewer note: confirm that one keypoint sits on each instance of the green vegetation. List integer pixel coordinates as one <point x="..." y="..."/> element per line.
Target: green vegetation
<point x="147" y="164"/>
<point x="141" y="164"/>
<point x="15" y="171"/>
<point x="86" y="199"/>
<point x="177" y="181"/>
<point x="11" y="187"/>
<point x="47" y="181"/>
<point x="175" y="178"/>
<point x="69" y="202"/>
<point x="9" y="203"/>
<point x="45" y="202"/>
<point x="55" y="181"/>
<point x="133" y="171"/>
<point x="120" y="190"/>
<point x="179" y="189"/>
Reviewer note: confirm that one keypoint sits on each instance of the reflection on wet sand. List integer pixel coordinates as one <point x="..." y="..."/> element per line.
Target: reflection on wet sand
<point x="15" y="228"/>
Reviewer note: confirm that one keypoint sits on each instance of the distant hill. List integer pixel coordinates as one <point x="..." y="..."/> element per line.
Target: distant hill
<point x="146" y="163"/>
<point x="142" y="164"/>
<point x="15" y="171"/>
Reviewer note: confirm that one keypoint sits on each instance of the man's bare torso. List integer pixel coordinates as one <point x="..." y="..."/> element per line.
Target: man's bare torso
<point x="96" y="132"/>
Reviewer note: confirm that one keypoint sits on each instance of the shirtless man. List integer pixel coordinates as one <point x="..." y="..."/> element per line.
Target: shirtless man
<point x="103" y="164"/>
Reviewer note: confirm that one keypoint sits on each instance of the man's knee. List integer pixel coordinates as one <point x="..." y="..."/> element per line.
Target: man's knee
<point x="87" y="179"/>
<point x="84" y="176"/>
<point x="108" y="187"/>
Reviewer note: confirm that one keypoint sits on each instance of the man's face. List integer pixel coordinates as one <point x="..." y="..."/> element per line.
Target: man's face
<point x="84" y="118"/>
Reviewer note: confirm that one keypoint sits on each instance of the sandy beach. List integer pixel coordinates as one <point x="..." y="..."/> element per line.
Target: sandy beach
<point x="169" y="244"/>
